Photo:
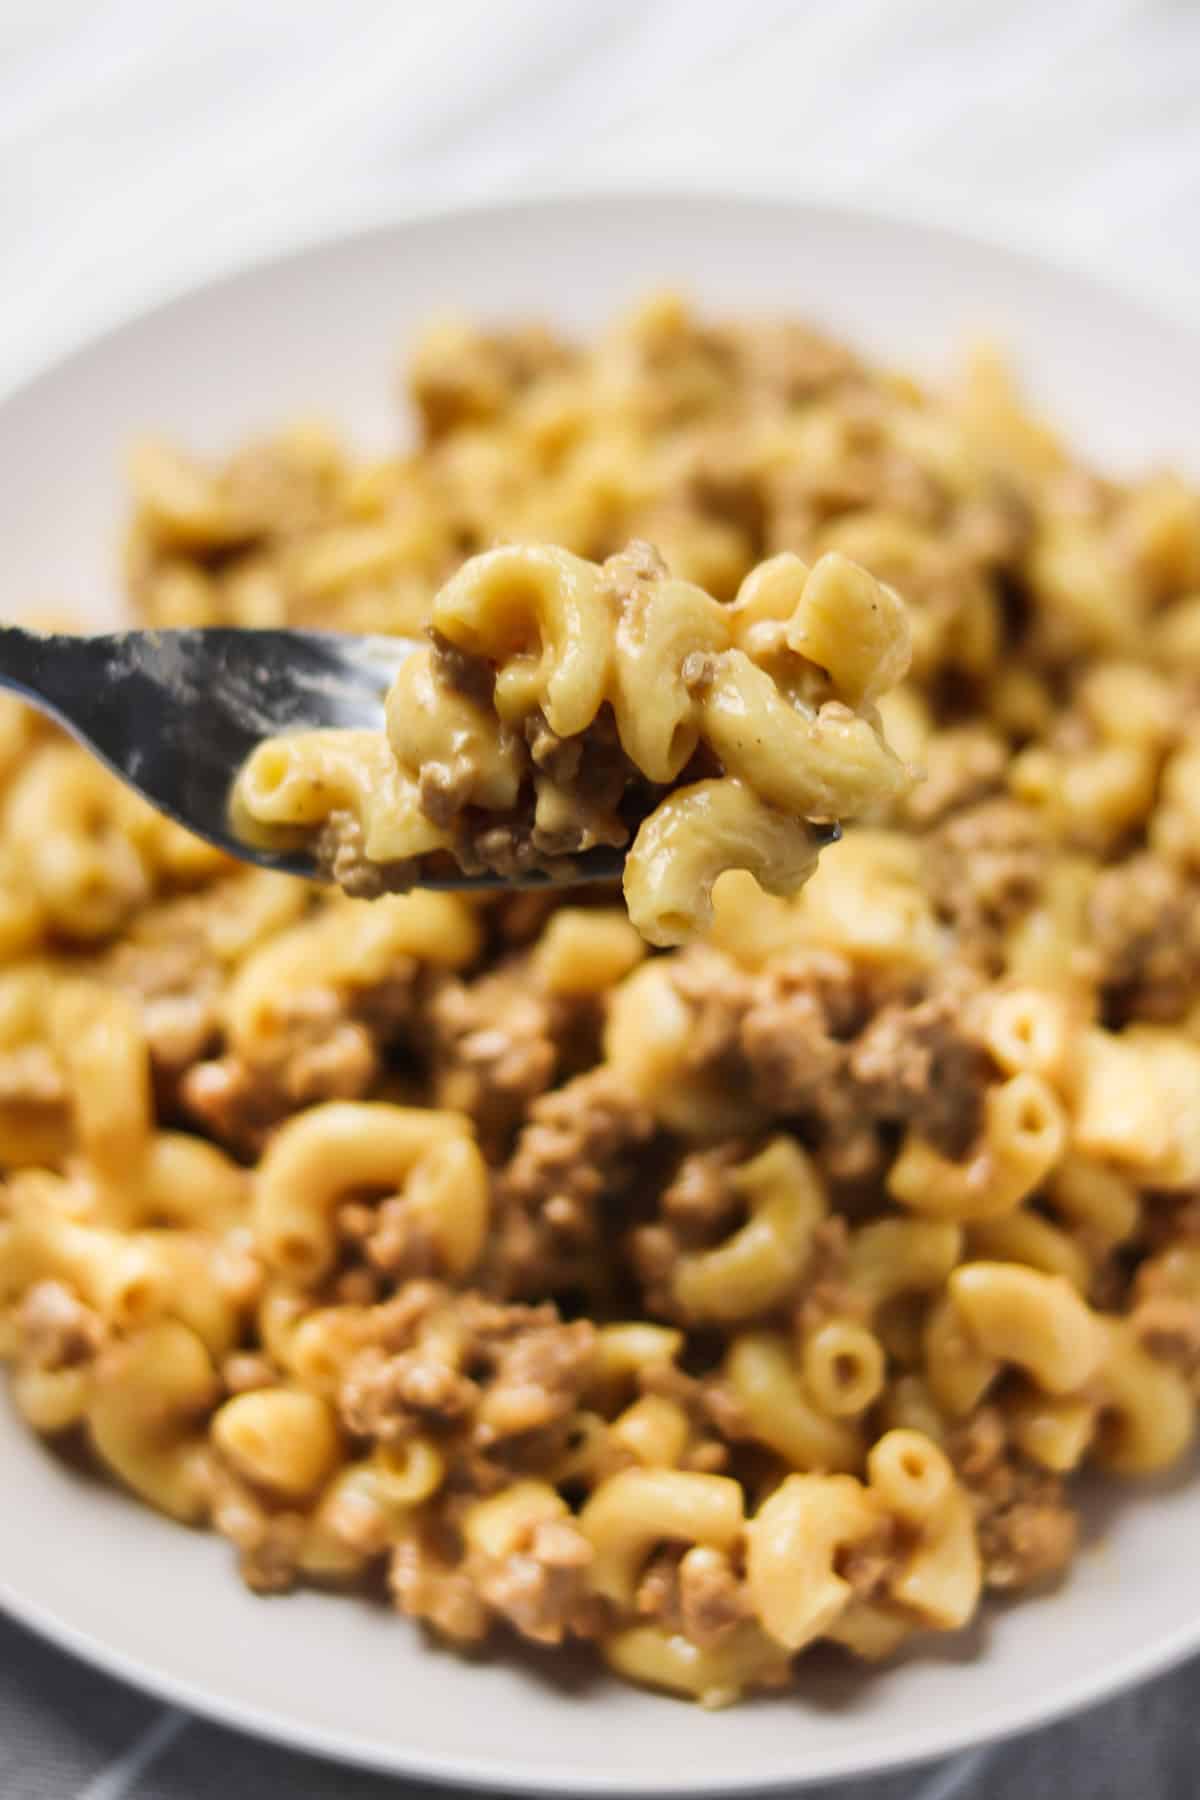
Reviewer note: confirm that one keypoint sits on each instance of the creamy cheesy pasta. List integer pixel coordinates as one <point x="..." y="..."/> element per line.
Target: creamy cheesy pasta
<point x="697" y="1306"/>
<point x="562" y="705"/>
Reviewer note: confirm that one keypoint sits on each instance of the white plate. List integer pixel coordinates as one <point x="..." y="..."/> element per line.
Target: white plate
<point x="320" y="332"/>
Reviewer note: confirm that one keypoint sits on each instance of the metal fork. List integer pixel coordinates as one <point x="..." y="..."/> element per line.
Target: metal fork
<point x="176" y="713"/>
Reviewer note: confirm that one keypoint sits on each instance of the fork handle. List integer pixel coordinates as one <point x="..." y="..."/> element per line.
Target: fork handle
<point x="53" y="669"/>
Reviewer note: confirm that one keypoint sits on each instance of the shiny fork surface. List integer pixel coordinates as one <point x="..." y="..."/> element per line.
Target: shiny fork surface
<point x="176" y="713"/>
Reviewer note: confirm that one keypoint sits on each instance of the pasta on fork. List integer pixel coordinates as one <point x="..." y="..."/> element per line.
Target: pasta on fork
<point x="563" y="705"/>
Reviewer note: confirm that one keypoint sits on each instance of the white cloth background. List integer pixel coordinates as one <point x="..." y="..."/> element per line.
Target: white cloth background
<point x="146" y="144"/>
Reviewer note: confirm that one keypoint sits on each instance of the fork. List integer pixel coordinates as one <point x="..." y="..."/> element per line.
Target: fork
<point x="176" y="713"/>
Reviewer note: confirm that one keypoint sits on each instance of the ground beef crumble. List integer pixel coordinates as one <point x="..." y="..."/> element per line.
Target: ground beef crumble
<point x="540" y="1588"/>
<point x="1144" y="918"/>
<point x="471" y="1369"/>
<point x="984" y="869"/>
<point x="578" y="1147"/>
<point x="269" y="1540"/>
<point x="807" y="1040"/>
<point x="697" y="1592"/>
<point x="1168" y="1327"/>
<point x="330" y="1045"/>
<point x="914" y="1064"/>
<point x="497" y="1044"/>
<point x="1026" y="1528"/>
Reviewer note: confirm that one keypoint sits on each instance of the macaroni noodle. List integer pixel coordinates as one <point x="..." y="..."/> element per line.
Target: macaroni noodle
<point x="560" y="705"/>
<point x="700" y="1306"/>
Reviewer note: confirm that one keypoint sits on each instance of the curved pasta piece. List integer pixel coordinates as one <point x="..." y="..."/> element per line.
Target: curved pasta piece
<point x="761" y="1263"/>
<point x="1055" y="1430"/>
<point x="100" y="1042"/>
<point x="1148" y="1415"/>
<point x="118" y="1274"/>
<point x="958" y="1371"/>
<point x="828" y="763"/>
<point x="146" y="1417"/>
<point x="662" y="624"/>
<point x="451" y="739"/>
<point x="284" y="1440"/>
<point x="854" y="627"/>
<point x="941" y="1576"/>
<point x="654" y="1430"/>
<point x="1024" y="1136"/>
<point x="761" y="1373"/>
<point x="890" y="1257"/>
<point x="637" y="1508"/>
<point x="323" y="1155"/>
<point x="1039" y="1322"/>
<point x="76" y="829"/>
<point x="290" y="786"/>
<point x="539" y="615"/>
<point x="792" y="1545"/>
<point x="692" y="837"/>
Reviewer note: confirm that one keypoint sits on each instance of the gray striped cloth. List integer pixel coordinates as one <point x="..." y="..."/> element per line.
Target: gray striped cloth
<point x="67" y="1733"/>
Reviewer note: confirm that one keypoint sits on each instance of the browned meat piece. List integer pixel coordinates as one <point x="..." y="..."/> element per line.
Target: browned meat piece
<point x="241" y="1102"/>
<point x="495" y="1049"/>
<point x="777" y="1037"/>
<point x="699" y="1198"/>
<point x="807" y="1040"/>
<point x="786" y="363"/>
<point x="390" y="1398"/>
<point x="1027" y="1531"/>
<point x="914" y="1064"/>
<point x="471" y="1369"/>
<point x="577" y="1147"/>
<point x="1168" y="1326"/>
<point x="328" y="1046"/>
<point x="787" y="1040"/>
<point x="536" y="1378"/>
<point x="541" y="1587"/>
<point x="177" y="982"/>
<point x="719" y="994"/>
<point x="268" y="1542"/>
<point x="869" y="1564"/>
<point x="960" y="768"/>
<point x="712" y="1599"/>
<point x="696" y="1592"/>
<point x="984" y="870"/>
<point x="826" y="1293"/>
<point x="1144" y="917"/>
<point x="427" y="1586"/>
<point x="459" y="670"/>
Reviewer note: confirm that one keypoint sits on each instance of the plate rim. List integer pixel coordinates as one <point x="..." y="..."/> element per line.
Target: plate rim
<point x="291" y="1731"/>
<point x="566" y="1779"/>
<point x="444" y="208"/>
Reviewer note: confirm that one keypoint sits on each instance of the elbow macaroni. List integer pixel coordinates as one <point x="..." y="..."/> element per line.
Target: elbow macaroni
<point x="773" y="1290"/>
<point x="553" y="639"/>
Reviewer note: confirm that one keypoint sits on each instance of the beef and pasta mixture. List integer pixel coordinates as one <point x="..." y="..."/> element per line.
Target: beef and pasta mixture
<point x="696" y="1305"/>
<point x="563" y="705"/>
